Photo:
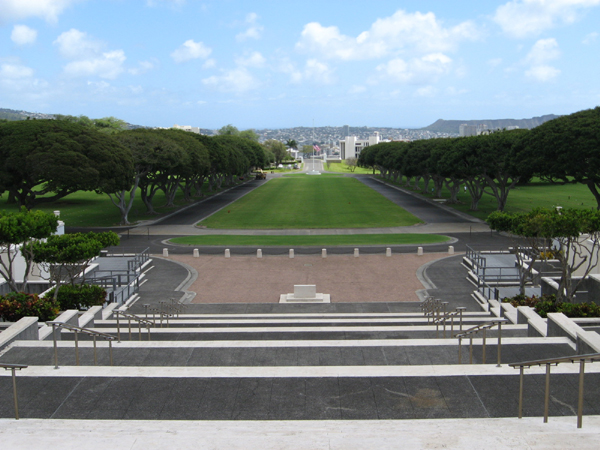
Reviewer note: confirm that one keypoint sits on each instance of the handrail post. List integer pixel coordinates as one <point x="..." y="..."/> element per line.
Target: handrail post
<point x="547" y="393"/>
<point x="14" y="380"/>
<point x="129" y="325"/>
<point x="521" y="373"/>
<point x="55" y="346"/>
<point x="110" y="352"/>
<point x="499" y="344"/>
<point x="483" y="350"/>
<point x="76" y="349"/>
<point x="471" y="351"/>
<point x="118" y="328"/>
<point x="580" y="400"/>
<point x="95" y="354"/>
<point x="460" y="349"/>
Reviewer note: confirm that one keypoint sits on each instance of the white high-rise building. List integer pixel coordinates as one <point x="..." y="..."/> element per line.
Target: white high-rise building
<point x="352" y="146"/>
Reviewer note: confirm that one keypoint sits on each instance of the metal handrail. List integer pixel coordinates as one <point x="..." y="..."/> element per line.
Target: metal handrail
<point x="445" y="317"/>
<point x="78" y="330"/>
<point x="476" y="329"/>
<point x="591" y="357"/>
<point x="433" y="308"/>
<point x="13" y="368"/>
<point x="130" y="317"/>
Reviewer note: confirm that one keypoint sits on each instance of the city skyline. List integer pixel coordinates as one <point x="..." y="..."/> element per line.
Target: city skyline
<point x="267" y="64"/>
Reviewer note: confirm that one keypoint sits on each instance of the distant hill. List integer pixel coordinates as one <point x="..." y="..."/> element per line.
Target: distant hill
<point x="451" y="126"/>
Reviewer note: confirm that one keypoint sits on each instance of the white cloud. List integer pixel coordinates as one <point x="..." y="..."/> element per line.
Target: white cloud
<point x="191" y="50"/>
<point x="542" y="52"/>
<point x="254" y="59"/>
<point x="314" y="71"/>
<point x="23" y="35"/>
<point x="521" y="18"/>
<point x="590" y="38"/>
<point x="15" y="71"/>
<point x="356" y="89"/>
<point x="402" y="31"/>
<point x="75" y="44"/>
<point x="143" y="67"/>
<point x="108" y="65"/>
<point x="254" y="30"/>
<point x="426" y="91"/>
<point x="174" y="3"/>
<point x="425" y="69"/>
<point x="88" y="56"/>
<point x="238" y="80"/>
<point x="48" y="10"/>
<point x="209" y="63"/>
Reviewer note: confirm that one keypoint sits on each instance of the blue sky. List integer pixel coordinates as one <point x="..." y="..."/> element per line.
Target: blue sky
<point x="276" y="64"/>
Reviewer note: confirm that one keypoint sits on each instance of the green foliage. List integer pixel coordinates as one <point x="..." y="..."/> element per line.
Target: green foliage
<point x="73" y="248"/>
<point x="550" y="304"/>
<point x="277" y="148"/>
<point x="79" y="296"/>
<point x="16" y="305"/>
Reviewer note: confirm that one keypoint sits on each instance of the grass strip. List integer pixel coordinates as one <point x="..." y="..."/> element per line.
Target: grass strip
<point x="294" y="202"/>
<point x="319" y="240"/>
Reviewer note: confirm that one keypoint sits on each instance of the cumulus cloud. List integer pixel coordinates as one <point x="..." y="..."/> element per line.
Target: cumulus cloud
<point x="314" y="71"/>
<point x="254" y="59"/>
<point x="542" y="52"/>
<point x="590" y="38"/>
<point x="402" y="31"/>
<point x="48" y="10"/>
<point x="191" y="50"/>
<point x="522" y="18"/>
<point x="254" y="30"/>
<point x="88" y="55"/>
<point x="23" y="35"/>
<point x="422" y="70"/>
<point x="14" y="71"/>
<point x="238" y="80"/>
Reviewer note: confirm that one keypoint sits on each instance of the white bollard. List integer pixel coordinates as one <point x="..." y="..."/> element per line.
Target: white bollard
<point x="388" y="252"/>
<point x="356" y="253"/>
<point x="451" y="250"/>
<point x="420" y="251"/>
<point x="291" y="252"/>
<point x="227" y="253"/>
<point x="196" y="253"/>
<point x="166" y="252"/>
<point x="324" y="253"/>
<point x="259" y="253"/>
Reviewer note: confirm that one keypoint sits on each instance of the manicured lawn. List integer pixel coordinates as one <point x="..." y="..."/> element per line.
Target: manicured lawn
<point x="525" y="197"/>
<point x="311" y="202"/>
<point x="88" y="209"/>
<point x="324" y="240"/>
<point x="343" y="168"/>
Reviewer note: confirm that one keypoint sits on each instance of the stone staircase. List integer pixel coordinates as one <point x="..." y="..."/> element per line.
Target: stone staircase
<point x="338" y="361"/>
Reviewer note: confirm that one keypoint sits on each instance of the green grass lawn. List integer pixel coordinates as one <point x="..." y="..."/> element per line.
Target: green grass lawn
<point x="343" y="168"/>
<point x="311" y="202"/>
<point x="299" y="241"/>
<point x="525" y="197"/>
<point x="88" y="209"/>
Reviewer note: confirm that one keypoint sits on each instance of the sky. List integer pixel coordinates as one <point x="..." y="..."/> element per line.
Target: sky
<point x="279" y="64"/>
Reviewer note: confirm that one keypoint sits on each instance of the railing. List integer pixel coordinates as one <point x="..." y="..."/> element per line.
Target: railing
<point x="433" y="308"/>
<point x="129" y="318"/>
<point x="78" y="330"/>
<point x="444" y="318"/>
<point x="475" y="257"/>
<point x="491" y="293"/>
<point x="498" y="274"/>
<point x="13" y="368"/>
<point x="556" y="361"/>
<point x="476" y="329"/>
<point x="122" y="284"/>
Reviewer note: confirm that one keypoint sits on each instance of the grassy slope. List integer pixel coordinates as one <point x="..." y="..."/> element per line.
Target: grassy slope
<point x="311" y="202"/>
<point x="330" y="240"/>
<point x="343" y="168"/>
<point x="524" y="198"/>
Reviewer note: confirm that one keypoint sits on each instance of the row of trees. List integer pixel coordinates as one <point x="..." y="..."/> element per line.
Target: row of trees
<point x="563" y="150"/>
<point x="44" y="160"/>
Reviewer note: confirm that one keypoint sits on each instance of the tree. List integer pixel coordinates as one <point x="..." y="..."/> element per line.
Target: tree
<point x="572" y="234"/>
<point x="249" y="134"/>
<point x="18" y="231"/>
<point x="351" y="164"/>
<point x="277" y="148"/>
<point x="228" y="130"/>
<point x="67" y="256"/>
<point x="291" y="144"/>
<point x="45" y="160"/>
<point x="566" y="148"/>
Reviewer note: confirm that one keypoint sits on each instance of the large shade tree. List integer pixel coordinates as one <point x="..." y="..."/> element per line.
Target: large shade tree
<point x="43" y="161"/>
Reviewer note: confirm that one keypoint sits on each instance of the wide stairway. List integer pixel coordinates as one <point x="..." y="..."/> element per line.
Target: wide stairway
<point x="289" y="362"/>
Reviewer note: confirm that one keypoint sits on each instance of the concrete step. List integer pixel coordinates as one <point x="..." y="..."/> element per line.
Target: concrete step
<point x="294" y="353"/>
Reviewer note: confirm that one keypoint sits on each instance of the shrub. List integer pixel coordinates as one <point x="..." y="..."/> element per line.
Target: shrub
<point x="80" y="296"/>
<point x="16" y="305"/>
<point x="548" y="304"/>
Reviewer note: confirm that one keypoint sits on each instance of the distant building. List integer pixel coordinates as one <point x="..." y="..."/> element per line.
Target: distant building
<point x="345" y="131"/>
<point x="351" y="147"/>
<point x="187" y="128"/>
<point x="467" y="130"/>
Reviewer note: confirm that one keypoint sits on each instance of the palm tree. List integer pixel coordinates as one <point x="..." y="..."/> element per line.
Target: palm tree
<point x="291" y="143"/>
